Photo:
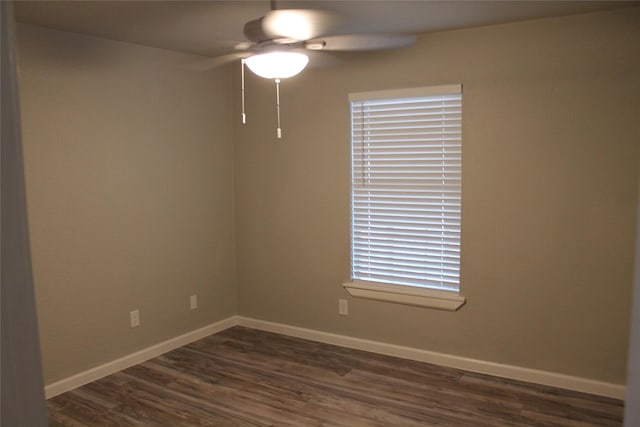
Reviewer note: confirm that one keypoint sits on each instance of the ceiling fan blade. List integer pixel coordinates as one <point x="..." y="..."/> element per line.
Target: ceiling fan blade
<point x="319" y="59"/>
<point x="245" y="45"/>
<point x="299" y="24"/>
<point x="361" y="42"/>
<point x="217" y="61"/>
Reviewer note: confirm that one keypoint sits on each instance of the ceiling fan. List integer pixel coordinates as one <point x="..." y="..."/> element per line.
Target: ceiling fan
<point x="279" y="43"/>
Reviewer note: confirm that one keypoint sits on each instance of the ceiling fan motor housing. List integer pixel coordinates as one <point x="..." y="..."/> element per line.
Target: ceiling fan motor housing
<point x="254" y="31"/>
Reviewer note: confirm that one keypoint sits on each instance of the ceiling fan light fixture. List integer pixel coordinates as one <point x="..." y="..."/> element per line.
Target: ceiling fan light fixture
<point x="277" y="65"/>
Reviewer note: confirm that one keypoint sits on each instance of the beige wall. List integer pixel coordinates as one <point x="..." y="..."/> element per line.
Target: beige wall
<point x="130" y="183"/>
<point x="129" y="170"/>
<point x="550" y="167"/>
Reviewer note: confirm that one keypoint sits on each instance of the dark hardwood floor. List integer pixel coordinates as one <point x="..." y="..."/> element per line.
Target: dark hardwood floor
<point x="245" y="377"/>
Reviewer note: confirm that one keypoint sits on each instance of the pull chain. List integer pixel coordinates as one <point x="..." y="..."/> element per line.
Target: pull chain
<point x="244" y="116"/>
<point x="279" y="130"/>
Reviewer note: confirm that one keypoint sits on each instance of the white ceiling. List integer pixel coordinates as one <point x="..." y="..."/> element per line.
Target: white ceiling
<point x="212" y="28"/>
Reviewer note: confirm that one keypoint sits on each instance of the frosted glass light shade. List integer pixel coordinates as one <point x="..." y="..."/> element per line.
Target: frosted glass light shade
<point x="277" y="65"/>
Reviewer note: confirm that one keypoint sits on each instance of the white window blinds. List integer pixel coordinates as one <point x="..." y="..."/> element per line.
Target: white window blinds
<point x="406" y="186"/>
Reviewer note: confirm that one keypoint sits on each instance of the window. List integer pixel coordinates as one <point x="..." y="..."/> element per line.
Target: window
<point x="406" y="156"/>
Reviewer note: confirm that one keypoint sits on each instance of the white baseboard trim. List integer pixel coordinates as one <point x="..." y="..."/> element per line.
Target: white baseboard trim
<point x="114" y="366"/>
<point x="585" y="385"/>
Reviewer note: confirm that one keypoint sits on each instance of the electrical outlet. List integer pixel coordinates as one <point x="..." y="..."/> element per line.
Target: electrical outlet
<point x="134" y="317"/>
<point x="193" y="302"/>
<point x="343" y="307"/>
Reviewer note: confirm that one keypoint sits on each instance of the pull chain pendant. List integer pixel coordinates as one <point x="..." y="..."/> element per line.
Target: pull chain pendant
<point x="279" y="129"/>
<point x="244" y="116"/>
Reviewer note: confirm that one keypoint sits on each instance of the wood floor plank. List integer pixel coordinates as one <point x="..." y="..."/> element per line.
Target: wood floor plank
<point x="245" y="378"/>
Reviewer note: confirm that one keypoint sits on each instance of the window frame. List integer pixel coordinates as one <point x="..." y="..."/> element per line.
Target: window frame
<point x="443" y="299"/>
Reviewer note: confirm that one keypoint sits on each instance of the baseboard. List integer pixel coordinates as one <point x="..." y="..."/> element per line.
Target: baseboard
<point x="114" y="366"/>
<point x="584" y="385"/>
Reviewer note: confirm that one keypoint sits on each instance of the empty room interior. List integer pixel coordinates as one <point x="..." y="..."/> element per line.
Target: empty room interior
<point x="158" y="220"/>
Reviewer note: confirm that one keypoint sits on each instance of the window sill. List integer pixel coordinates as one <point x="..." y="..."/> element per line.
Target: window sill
<point x="430" y="298"/>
